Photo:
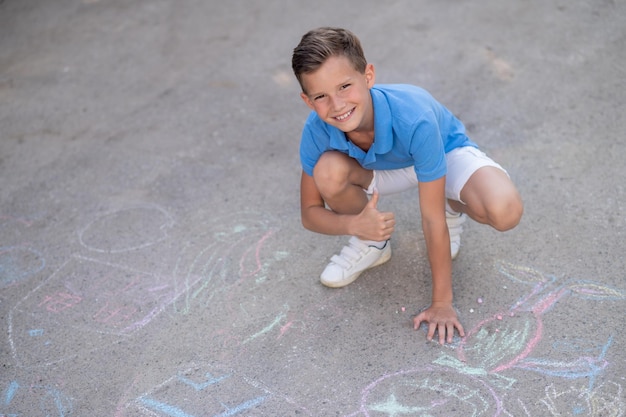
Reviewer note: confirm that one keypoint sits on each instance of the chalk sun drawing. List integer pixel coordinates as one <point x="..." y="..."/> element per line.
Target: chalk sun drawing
<point x="428" y="391"/>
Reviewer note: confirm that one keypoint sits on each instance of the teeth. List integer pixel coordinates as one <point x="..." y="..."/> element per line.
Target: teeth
<point x="344" y="116"/>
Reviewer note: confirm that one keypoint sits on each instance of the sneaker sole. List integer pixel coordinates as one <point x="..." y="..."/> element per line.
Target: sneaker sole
<point x="349" y="280"/>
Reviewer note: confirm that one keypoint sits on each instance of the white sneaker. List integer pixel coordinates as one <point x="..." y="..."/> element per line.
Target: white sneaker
<point x="355" y="258"/>
<point x="455" y="228"/>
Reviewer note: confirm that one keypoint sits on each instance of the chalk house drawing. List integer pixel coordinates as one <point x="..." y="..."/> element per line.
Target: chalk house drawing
<point x="20" y="398"/>
<point x="201" y="392"/>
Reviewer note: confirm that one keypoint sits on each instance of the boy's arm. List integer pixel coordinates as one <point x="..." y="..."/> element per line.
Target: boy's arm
<point x="369" y="224"/>
<point x="440" y="316"/>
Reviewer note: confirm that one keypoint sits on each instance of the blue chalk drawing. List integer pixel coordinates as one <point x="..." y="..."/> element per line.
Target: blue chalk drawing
<point x="242" y="407"/>
<point x="204" y="395"/>
<point x="173" y="411"/>
<point x="168" y="410"/>
<point x="10" y="392"/>
<point x="17" y="264"/>
<point x="200" y="386"/>
<point x="52" y="402"/>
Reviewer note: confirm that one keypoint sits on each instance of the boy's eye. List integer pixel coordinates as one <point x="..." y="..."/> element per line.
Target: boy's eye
<point x="321" y="96"/>
<point x="343" y="87"/>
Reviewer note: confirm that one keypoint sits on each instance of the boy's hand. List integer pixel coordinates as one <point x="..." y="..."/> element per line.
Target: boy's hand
<point x="373" y="224"/>
<point x="442" y="318"/>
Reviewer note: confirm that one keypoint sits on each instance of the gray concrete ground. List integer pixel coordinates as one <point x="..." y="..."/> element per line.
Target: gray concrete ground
<point x="152" y="262"/>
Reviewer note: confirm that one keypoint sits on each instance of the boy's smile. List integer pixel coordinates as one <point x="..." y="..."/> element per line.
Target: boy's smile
<point x="340" y="96"/>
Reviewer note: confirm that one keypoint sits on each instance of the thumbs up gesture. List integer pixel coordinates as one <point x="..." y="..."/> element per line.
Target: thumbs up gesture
<point x="373" y="224"/>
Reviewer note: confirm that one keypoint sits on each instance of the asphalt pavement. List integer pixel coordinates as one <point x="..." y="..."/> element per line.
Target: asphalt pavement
<point x="152" y="259"/>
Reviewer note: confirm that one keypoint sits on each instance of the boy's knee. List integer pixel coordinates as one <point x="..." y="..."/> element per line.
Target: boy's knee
<point x="331" y="172"/>
<point x="506" y="214"/>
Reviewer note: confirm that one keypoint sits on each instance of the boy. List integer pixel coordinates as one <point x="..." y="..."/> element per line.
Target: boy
<point x="362" y="140"/>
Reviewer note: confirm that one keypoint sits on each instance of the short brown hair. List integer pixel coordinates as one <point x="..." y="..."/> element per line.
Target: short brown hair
<point x="317" y="45"/>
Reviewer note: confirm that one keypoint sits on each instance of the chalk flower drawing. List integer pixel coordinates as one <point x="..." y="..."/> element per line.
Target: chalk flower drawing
<point x="507" y="340"/>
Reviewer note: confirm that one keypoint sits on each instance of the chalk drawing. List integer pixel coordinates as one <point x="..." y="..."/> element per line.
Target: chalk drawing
<point x="507" y="340"/>
<point x="428" y="391"/>
<point x="126" y="230"/>
<point x="605" y="400"/>
<point x="25" y="399"/>
<point x="233" y="257"/>
<point x="91" y="303"/>
<point x="87" y="303"/>
<point x="501" y="343"/>
<point x="18" y="263"/>
<point x="200" y="391"/>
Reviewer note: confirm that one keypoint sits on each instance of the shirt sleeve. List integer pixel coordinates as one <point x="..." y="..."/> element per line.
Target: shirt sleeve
<point x="427" y="149"/>
<point x="310" y="152"/>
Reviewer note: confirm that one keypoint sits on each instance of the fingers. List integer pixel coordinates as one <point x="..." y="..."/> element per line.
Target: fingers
<point x="417" y="321"/>
<point x="459" y="328"/>
<point x="373" y="203"/>
<point x="444" y="329"/>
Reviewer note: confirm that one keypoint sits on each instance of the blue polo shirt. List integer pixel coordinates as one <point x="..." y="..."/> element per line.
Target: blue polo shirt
<point x="411" y="128"/>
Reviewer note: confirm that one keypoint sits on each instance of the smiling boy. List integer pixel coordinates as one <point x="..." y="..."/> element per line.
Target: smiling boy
<point x="364" y="140"/>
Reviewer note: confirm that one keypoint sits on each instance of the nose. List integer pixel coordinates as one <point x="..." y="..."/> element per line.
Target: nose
<point x="338" y="103"/>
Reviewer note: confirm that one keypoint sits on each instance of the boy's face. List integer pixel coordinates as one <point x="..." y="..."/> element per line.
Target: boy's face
<point x="340" y="95"/>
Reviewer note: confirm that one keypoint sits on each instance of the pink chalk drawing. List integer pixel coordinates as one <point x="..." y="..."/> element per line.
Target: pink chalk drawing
<point x="60" y="301"/>
<point x="487" y="352"/>
<point x="502" y="342"/>
<point x="92" y="303"/>
<point x="85" y="302"/>
<point x="231" y="259"/>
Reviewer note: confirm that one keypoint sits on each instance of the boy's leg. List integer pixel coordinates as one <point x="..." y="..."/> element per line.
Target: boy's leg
<point x="490" y="197"/>
<point x="342" y="183"/>
<point x="482" y="189"/>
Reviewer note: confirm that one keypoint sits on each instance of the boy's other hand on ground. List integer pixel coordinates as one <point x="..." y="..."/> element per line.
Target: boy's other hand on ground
<point x="372" y="224"/>
<point x="442" y="319"/>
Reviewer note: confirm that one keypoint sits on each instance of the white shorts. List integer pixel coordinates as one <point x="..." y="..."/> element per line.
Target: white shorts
<point x="461" y="162"/>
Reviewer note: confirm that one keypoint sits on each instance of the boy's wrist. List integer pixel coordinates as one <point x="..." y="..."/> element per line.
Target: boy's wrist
<point x="350" y="227"/>
<point x="441" y="303"/>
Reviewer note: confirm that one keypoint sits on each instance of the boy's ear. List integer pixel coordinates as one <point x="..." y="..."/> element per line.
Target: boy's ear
<point x="307" y="100"/>
<point x="370" y="75"/>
